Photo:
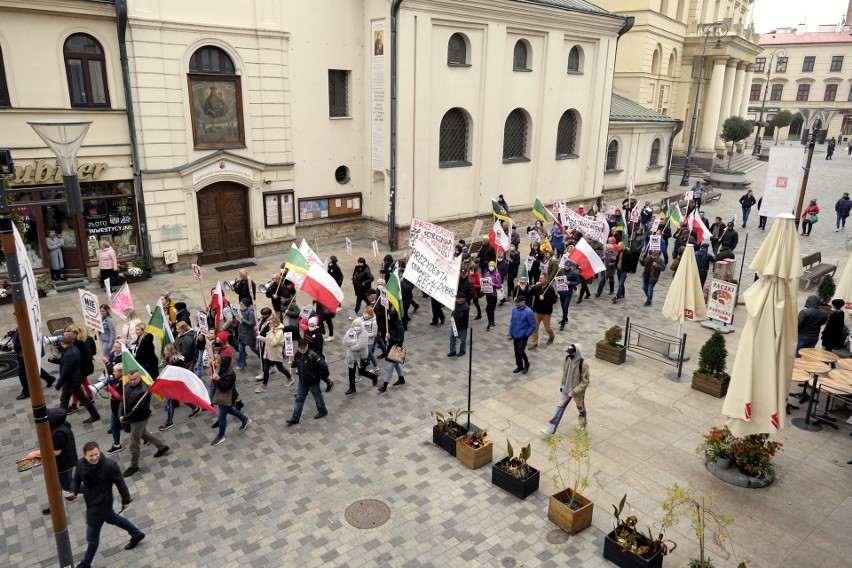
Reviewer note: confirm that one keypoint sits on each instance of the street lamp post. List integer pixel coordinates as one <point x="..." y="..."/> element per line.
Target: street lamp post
<point x="718" y="29"/>
<point x="816" y="128"/>
<point x="780" y="52"/>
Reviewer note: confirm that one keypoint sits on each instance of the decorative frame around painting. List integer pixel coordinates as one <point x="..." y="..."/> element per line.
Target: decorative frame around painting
<point x="216" y="107"/>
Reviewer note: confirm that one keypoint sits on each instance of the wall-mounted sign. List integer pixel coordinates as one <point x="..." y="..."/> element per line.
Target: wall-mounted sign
<point x="220" y="168"/>
<point x="43" y="171"/>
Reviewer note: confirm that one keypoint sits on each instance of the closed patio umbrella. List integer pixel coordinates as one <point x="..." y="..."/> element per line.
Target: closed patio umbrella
<point x="685" y="299"/>
<point x="844" y="288"/>
<point x="763" y="367"/>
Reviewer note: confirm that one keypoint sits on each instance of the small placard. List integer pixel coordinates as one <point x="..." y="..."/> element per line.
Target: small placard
<point x="486" y="286"/>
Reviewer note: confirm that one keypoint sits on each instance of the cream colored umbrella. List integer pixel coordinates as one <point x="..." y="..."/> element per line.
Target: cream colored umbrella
<point x="844" y="288"/>
<point x="760" y="378"/>
<point x="685" y="299"/>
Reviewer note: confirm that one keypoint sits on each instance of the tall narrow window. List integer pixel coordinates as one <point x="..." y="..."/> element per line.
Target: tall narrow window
<point x="803" y="92"/>
<point x="849" y="96"/>
<point x="457" y="50"/>
<point x="776" y="92"/>
<point x="837" y="63"/>
<point x="830" y="92"/>
<point x="566" y="136"/>
<point x="338" y="93"/>
<point x="216" y="99"/>
<point x="612" y="156"/>
<point x="519" y="59"/>
<point x="781" y="66"/>
<point x="515" y="135"/>
<point x="453" y="139"/>
<point x="85" y="66"/>
<point x="574" y="60"/>
<point x="759" y="64"/>
<point x="754" y="93"/>
<point x="655" y="153"/>
<point x="5" y="101"/>
<point x="808" y="64"/>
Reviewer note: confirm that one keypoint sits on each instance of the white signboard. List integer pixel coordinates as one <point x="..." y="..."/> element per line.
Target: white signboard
<point x="783" y="178"/>
<point x="430" y="271"/>
<point x="688" y="195"/>
<point x="654" y="243"/>
<point x="202" y="322"/>
<point x="721" y="301"/>
<point x="91" y="311"/>
<point x="529" y="262"/>
<point x="486" y="286"/>
<point x="476" y="228"/>
<point x="377" y="99"/>
<point x="196" y="271"/>
<point x="30" y="293"/>
<point x="288" y="343"/>
<point x="305" y="312"/>
<point x="348" y="246"/>
<point x="561" y="283"/>
<point x="440" y="238"/>
<point x="534" y="236"/>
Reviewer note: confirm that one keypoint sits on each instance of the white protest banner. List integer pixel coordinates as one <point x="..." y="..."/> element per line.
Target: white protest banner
<point x="486" y="286"/>
<point x="348" y="246"/>
<point x="148" y="307"/>
<point x="196" y="271"/>
<point x="296" y="278"/>
<point x="288" y="343"/>
<point x="29" y="287"/>
<point x="655" y="224"/>
<point x="368" y="326"/>
<point x="654" y="242"/>
<point x="122" y="301"/>
<point x="534" y="236"/>
<point x="383" y="294"/>
<point x="440" y="238"/>
<point x="310" y="255"/>
<point x="305" y="312"/>
<point x="561" y="283"/>
<point x="595" y="229"/>
<point x="91" y="311"/>
<point x="108" y="288"/>
<point x="611" y="210"/>
<point x="476" y="228"/>
<point x="720" y="302"/>
<point x="238" y="315"/>
<point x="783" y="178"/>
<point x="376" y="249"/>
<point x="434" y="274"/>
<point x="202" y="322"/>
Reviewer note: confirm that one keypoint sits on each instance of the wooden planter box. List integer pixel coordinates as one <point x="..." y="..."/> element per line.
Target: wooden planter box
<point x="448" y="443"/>
<point x="709" y="384"/>
<point x="617" y="555"/>
<point x="615" y="355"/>
<point x="570" y="520"/>
<point x="520" y="488"/>
<point x="474" y="458"/>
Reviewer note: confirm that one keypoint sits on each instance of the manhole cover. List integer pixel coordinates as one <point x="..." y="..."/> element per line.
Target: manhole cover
<point x="557" y="536"/>
<point x="367" y="514"/>
<point x="508" y="562"/>
<point x="8" y="365"/>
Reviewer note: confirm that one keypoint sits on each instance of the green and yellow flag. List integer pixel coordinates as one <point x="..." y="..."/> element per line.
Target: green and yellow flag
<point x="622" y="226"/>
<point x="394" y="290"/>
<point x="500" y="212"/>
<point x="296" y="261"/>
<point x="540" y="211"/>
<point x="674" y="215"/>
<point x="129" y="364"/>
<point x="158" y="326"/>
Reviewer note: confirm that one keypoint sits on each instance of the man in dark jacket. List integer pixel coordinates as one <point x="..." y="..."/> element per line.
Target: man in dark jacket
<point x="842" y="208"/>
<point x="747" y="201"/>
<point x="182" y="314"/>
<point x="381" y="321"/>
<point x="486" y="254"/>
<point x="244" y="286"/>
<point x="465" y="288"/>
<point x="71" y="376"/>
<point x="246" y="332"/>
<point x="14" y="340"/>
<point x="514" y="258"/>
<point x="811" y="319"/>
<point x="461" y="318"/>
<point x="136" y="410"/>
<point x="64" y="447"/>
<point x="362" y="279"/>
<point x="730" y="236"/>
<point x="716" y="230"/>
<point x="96" y="474"/>
<point x="703" y="258"/>
<point x="542" y="298"/>
<point x="651" y="274"/>
<point x="312" y="368"/>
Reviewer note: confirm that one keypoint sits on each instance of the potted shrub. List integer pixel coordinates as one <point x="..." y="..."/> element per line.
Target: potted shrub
<point x="514" y="474"/>
<point x="716" y="447"/>
<point x="609" y="349"/>
<point x="744" y="462"/>
<point x="447" y="430"/>
<point x="129" y="273"/>
<point x="474" y="450"/>
<point x="627" y="547"/>
<point x="567" y="508"/>
<point x="5" y="291"/>
<point x="705" y="514"/>
<point x="825" y="291"/>
<point x="710" y="377"/>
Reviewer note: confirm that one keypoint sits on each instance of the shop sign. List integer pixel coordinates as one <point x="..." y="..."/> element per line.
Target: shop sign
<point x="43" y="171"/>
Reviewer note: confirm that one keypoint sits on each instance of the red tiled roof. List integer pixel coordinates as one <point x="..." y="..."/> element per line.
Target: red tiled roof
<point x="805" y="38"/>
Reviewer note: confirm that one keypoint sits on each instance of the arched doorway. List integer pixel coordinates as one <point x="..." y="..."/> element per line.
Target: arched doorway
<point x="224" y="222"/>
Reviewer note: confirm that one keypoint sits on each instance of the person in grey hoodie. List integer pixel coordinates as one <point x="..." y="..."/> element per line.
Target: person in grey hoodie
<point x="575" y="381"/>
<point x="246" y="332"/>
<point x="811" y="319"/>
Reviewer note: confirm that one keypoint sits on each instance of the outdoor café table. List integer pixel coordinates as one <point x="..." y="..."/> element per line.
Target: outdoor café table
<point x="833" y="388"/>
<point x="818" y="355"/>
<point x="815" y="368"/>
<point x="844" y="364"/>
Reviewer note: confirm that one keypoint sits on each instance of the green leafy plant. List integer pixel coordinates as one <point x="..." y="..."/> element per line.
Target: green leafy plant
<point x="753" y="454"/>
<point x="448" y="424"/>
<point x="43" y="283"/>
<point x="713" y="357"/>
<point x="578" y="446"/>
<point x="476" y="439"/>
<point x="781" y="120"/>
<point x="612" y="337"/>
<point x="735" y="129"/>
<point x="633" y="541"/>
<point x="704" y="512"/>
<point x="826" y="289"/>
<point x="517" y="466"/>
<point x="716" y="444"/>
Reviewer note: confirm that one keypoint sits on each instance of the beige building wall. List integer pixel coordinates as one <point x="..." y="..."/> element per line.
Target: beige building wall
<point x="634" y="156"/>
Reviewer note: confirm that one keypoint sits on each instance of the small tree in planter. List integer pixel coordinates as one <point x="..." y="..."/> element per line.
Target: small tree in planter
<point x="627" y="547"/>
<point x="514" y="474"/>
<point x="447" y="430"/>
<point x="474" y="450"/>
<point x="781" y="120"/>
<point x="826" y="290"/>
<point x="711" y="377"/>
<point x="705" y="514"/>
<point x="735" y="129"/>
<point x="567" y="508"/>
<point x="609" y="348"/>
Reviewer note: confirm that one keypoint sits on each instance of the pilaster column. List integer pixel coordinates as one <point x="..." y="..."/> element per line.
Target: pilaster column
<point x="727" y="98"/>
<point x="711" y="109"/>
<point x="737" y="98"/>
<point x="749" y="77"/>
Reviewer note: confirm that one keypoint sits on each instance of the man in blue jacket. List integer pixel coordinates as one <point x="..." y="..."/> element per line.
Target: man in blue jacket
<point x="842" y="208"/>
<point x="520" y="329"/>
<point x="703" y="258"/>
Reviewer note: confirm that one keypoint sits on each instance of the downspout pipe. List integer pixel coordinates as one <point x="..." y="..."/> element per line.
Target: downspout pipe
<point x="121" y="23"/>
<point x="393" y="125"/>
<point x="678" y="127"/>
<point x="628" y="25"/>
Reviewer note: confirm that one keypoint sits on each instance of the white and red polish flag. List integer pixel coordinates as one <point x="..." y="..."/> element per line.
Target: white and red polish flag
<point x="320" y="285"/>
<point x="586" y="258"/>
<point x="177" y="383"/>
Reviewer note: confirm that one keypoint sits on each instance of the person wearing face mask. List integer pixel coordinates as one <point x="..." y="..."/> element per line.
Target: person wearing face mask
<point x="313" y="336"/>
<point x="362" y="279"/>
<point x="575" y="381"/>
<point x="357" y="353"/>
<point x="273" y="351"/>
<point x="491" y="297"/>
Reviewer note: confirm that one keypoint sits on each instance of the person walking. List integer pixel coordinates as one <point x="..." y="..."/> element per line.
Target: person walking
<point x="622" y="269"/>
<point x="395" y="337"/>
<point x="116" y="389"/>
<point x="95" y="475"/>
<point x="246" y="331"/>
<point x="491" y="297"/>
<point x="575" y="381"/>
<point x="272" y="347"/>
<point x="311" y="368"/>
<point x="761" y="220"/>
<point x="829" y="149"/>
<point x="810" y="321"/>
<point x="226" y="396"/>
<point x="64" y="446"/>
<point x="472" y="289"/>
<point x="514" y="259"/>
<point x="747" y="201"/>
<point x="842" y="208"/>
<point x="651" y="274"/>
<point x="521" y="327"/>
<point x="608" y="275"/>
<point x="54" y="252"/>
<point x="107" y="262"/>
<point x="357" y="353"/>
<point x="704" y="259"/>
<point x="542" y="296"/>
<point x="716" y="230"/>
<point x="810" y="216"/>
<point x="70" y="380"/>
<point x="109" y="334"/>
<point x="136" y="410"/>
<point x="572" y="277"/>
<point x="15" y="341"/>
<point x="362" y="280"/>
<point x="461" y="318"/>
<point x="697" y="193"/>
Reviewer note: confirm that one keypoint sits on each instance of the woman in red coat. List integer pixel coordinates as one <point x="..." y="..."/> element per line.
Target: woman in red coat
<point x="809" y="217"/>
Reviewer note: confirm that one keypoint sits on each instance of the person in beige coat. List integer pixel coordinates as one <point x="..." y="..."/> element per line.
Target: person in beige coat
<point x="273" y="352"/>
<point x="575" y="381"/>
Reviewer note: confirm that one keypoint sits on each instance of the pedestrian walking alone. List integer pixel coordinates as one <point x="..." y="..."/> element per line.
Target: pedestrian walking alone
<point x="747" y="201"/>
<point x="809" y="218"/>
<point x="521" y="327"/>
<point x="575" y="381"/>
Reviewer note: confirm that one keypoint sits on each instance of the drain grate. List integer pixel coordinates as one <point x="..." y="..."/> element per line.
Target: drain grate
<point x="367" y="514"/>
<point x="557" y="536"/>
<point x="508" y="562"/>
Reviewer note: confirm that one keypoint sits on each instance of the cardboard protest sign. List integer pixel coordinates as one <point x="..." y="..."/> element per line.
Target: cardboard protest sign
<point x="433" y="273"/>
<point x="442" y="239"/>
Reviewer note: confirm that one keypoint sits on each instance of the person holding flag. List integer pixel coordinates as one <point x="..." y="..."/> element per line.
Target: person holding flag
<point x="499" y="211"/>
<point x="136" y="410"/>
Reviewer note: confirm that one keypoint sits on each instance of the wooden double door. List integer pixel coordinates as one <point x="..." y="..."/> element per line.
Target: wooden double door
<point x="224" y="222"/>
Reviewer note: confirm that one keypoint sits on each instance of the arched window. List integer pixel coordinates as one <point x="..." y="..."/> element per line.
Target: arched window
<point x="519" y="59"/>
<point x="85" y="66"/>
<point x="612" y="156"/>
<point x="655" y="153"/>
<point x="672" y="70"/>
<point x="574" y="65"/>
<point x="515" y="134"/>
<point x="655" y="62"/>
<point x="457" y="50"/>
<point x="216" y="99"/>
<point x="211" y="60"/>
<point x="454" y="136"/>
<point x="566" y="135"/>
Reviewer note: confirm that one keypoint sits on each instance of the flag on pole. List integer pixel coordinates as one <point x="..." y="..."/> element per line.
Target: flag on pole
<point x="320" y="285"/>
<point x="498" y="237"/>
<point x="218" y="302"/>
<point x="622" y="226"/>
<point x="674" y="215"/>
<point x="394" y="290"/>
<point x="177" y="383"/>
<point x="158" y="326"/>
<point x="309" y="254"/>
<point x="500" y="212"/>
<point x="585" y="257"/>
<point x="129" y="364"/>
<point x="697" y="227"/>
<point x="296" y="261"/>
<point x="121" y="301"/>
<point x="540" y="211"/>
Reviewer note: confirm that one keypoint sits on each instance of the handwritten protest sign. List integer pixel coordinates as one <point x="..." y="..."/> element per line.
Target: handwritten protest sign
<point x="432" y="272"/>
<point x="440" y="238"/>
<point x="122" y="301"/>
<point x="595" y="229"/>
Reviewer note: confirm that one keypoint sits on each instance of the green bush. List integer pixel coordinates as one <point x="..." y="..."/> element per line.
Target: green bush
<point x="826" y="290"/>
<point x="613" y="336"/>
<point x="713" y="357"/>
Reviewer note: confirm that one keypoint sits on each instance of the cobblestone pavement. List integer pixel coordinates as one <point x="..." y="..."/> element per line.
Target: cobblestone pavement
<point x="275" y="496"/>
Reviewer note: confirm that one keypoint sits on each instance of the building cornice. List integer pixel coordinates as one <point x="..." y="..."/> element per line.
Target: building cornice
<point x="207" y="29"/>
<point x="64" y="8"/>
